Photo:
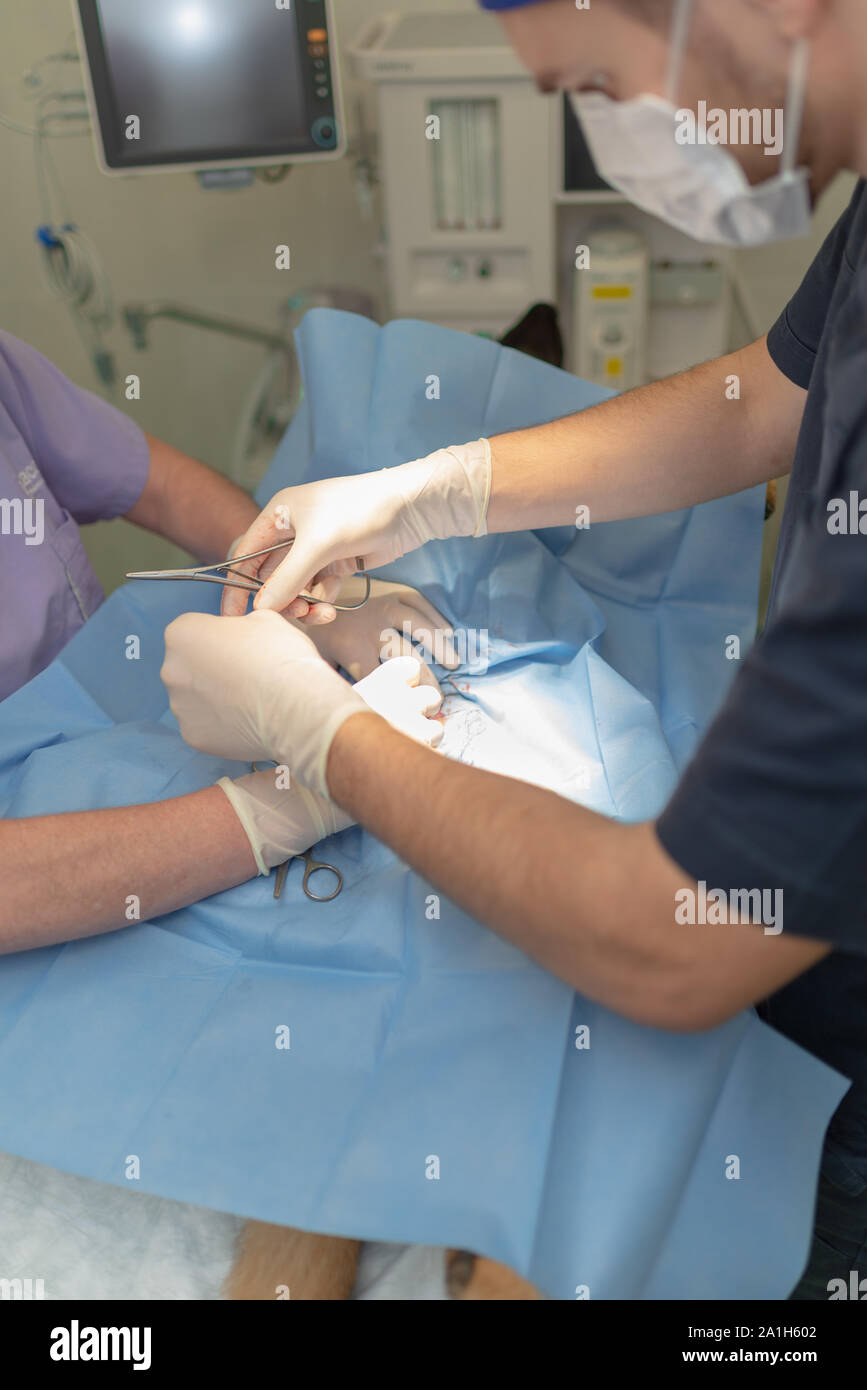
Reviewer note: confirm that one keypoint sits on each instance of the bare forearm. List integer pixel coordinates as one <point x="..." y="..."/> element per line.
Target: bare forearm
<point x="191" y="504"/>
<point x="659" y="448"/>
<point x="590" y="899"/>
<point x="86" y="872"/>
<point x="544" y="873"/>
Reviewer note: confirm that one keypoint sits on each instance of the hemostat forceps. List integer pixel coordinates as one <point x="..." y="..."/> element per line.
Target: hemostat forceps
<point x="242" y="581"/>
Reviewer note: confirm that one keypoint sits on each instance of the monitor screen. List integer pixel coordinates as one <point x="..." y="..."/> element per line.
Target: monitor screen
<point x="210" y="82"/>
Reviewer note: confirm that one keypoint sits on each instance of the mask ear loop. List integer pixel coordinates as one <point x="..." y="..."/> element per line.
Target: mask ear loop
<point x="679" y="33"/>
<point x="796" y="97"/>
<point x="796" y="91"/>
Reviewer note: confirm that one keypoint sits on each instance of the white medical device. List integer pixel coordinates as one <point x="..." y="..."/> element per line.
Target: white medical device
<point x="489" y="190"/>
<point x="205" y="84"/>
<point x="611" y="281"/>
<point x="464" y="148"/>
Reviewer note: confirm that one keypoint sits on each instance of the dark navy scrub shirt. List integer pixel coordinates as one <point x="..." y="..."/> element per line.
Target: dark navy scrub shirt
<point x="776" y="796"/>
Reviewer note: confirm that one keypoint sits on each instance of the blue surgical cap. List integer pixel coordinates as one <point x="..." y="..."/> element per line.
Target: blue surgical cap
<point x="505" y="4"/>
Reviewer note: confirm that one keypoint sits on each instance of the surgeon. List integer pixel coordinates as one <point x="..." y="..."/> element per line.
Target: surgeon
<point x="776" y="795"/>
<point x="66" y="456"/>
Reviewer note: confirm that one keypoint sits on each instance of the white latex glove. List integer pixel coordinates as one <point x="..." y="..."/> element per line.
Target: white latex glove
<point x="395" y="691"/>
<point x="394" y="617"/>
<point x="361" y="522"/>
<point x="256" y="688"/>
<point x="280" y="821"/>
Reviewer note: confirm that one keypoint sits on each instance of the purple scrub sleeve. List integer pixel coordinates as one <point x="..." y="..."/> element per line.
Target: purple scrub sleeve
<point x="94" y="459"/>
<point x="65" y="457"/>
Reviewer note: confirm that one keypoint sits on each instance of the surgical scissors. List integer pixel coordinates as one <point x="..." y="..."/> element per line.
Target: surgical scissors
<point x="312" y="866"/>
<point x="250" y="583"/>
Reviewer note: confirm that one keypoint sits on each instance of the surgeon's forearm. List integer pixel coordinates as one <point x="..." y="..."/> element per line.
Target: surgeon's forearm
<point x="656" y="449"/>
<point x="191" y="504"/>
<point x="542" y="872"/>
<point x="590" y="899"/>
<point x="85" y="872"/>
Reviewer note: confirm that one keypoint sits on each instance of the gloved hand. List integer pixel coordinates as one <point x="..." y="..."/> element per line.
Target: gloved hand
<point x="395" y="691"/>
<point x="360" y="641"/>
<point x="256" y="688"/>
<point x="361" y="522"/>
<point x="280" y="821"/>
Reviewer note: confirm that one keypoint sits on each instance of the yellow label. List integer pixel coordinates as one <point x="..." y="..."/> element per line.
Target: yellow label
<point x="612" y="291"/>
<point x="614" y="366"/>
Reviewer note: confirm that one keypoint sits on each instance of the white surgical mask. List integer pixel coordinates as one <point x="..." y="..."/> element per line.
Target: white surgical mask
<point x="700" y="189"/>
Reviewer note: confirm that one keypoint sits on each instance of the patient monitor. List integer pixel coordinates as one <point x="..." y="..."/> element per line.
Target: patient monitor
<point x="192" y="84"/>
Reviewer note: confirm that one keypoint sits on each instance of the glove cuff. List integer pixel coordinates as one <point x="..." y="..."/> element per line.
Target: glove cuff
<point x="241" y="807"/>
<point x="446" y="494"/>
<point x="313" y="774"/>
<point x="280" y="823"/>
<point x="475" y="461"/>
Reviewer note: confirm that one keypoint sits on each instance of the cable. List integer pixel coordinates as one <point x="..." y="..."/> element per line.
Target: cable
<point x="73" y="270"/>
<point x="16" y="126"/>
<point x="75" y="275"/>
<point x="42" y="93"/>
<point x="39" y="131"/>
